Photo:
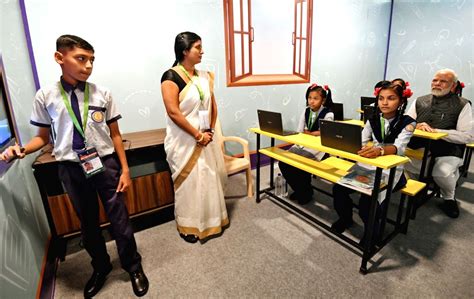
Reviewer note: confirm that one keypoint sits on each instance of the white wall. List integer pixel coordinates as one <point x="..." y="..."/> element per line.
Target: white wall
<point x="134" y="46"/>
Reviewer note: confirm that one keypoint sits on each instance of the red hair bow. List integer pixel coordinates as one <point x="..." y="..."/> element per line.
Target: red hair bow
<point x="462" y="84"/>
<point x="313" y="85"/>
<point x="407" y="84"/>
<point x="377" y="91"/>
<point x="326" y="87"/>
<point x="407" y="93"/>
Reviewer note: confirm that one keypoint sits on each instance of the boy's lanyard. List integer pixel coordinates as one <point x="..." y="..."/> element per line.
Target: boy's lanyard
<point x="198" y="86"/>
<point x="71" y="112"/>
<point x="310" y="120"/>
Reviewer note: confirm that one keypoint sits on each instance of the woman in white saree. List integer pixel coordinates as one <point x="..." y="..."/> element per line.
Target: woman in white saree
<point x="195" y="159"/>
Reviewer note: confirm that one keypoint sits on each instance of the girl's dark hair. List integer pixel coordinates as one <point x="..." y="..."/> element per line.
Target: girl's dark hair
<point x="403" y="83"/>
<point x="459" y="87"/>
<point x="399" y="91"/>
<point x="184" y="42"/>
<point x="324" y="92"/>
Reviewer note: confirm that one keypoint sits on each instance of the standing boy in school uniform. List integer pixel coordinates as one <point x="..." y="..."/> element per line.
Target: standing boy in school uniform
<point x="92" y="160"/>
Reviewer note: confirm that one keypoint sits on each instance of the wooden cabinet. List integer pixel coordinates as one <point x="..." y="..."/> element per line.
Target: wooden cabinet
<point x="151" y="188"/>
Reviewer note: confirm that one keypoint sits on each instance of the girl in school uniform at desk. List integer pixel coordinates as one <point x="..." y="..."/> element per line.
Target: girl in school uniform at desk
<point x="318" y="106"/>
<point x="390" y="130"/>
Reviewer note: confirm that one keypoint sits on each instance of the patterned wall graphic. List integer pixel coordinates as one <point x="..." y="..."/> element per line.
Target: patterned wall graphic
<point x="428" y="36"/>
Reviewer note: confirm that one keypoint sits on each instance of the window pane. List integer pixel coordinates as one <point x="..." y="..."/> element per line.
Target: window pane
<point x="297" y="57"/>
<point x="305" y="19"/>
<point x="245" y="10"/>
<point x="246" y="54"/>
<point x="303" y="57"/>
<point x="236" y="7"/>
<point x="238" y="55"/>
<point x="298" y="18"/>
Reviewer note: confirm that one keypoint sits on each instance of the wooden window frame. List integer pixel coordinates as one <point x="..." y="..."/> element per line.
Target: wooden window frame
<point x="248" y="78"/>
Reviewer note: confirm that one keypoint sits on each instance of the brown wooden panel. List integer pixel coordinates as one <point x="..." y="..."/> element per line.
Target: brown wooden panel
<point x="64" y="216"/>
<point x="145" y="193"/>
<point x="149" y="192"/>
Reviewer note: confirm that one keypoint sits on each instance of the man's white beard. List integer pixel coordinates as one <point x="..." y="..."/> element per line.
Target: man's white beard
<point x="439" y="93"/>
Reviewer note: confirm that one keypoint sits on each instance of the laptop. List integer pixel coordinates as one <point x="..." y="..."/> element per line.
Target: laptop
<point x="366" y="101"/>
<point x="341" y="136"/>
<point x="271" y="122"/>
<point x="369" y="112"/>
<point x="338" y="110"/>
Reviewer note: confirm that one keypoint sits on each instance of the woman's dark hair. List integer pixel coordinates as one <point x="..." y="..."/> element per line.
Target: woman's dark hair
<point x="324" y="92"/>
<point x="184" y="42"/>
<point x="401" y="81"/>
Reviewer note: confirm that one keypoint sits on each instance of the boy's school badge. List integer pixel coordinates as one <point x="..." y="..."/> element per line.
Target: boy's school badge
<point x="98" y="116"/>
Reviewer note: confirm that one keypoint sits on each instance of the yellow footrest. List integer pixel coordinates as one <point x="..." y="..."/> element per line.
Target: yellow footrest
<point x="413" y="187"/>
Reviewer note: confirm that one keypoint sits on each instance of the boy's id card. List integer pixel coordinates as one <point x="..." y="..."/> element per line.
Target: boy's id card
<point x="204" y="120"/>
<point x="90" y="161"/>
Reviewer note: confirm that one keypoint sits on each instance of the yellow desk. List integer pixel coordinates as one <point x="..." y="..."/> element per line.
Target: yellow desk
<point x="418" y="133"/>
<point x="383" y="162"/>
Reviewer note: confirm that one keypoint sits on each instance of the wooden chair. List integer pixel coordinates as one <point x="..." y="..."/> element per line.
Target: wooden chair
<point x="236" y="164"/>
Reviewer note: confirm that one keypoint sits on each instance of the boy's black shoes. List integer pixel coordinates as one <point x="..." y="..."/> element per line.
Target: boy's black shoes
<point x="139" y="282"/>
<point x="450" y="208"/>
<point x="95" y="283"/>
<point x="340" y="225"/>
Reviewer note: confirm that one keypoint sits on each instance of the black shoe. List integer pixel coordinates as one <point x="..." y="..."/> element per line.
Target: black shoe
<point x="95" y="283"/>
<point x="294" y="196"/>
<point x="450" y="208"/>
<point x="139" y="282"/>
<point x="189" y="238"/>
<point x="305" y="197"/>
<point x="302" y="200"/>
<point x="340" y="225"/>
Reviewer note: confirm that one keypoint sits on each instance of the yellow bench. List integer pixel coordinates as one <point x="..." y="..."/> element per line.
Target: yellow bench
<point x="333" y="169"/>
<point x="411" y="189"/>
<point x="320" y="169"/>
<point x="415" y="154"/>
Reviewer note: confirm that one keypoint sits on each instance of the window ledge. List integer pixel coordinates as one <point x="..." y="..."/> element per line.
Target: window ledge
<point x="268" y="80"/>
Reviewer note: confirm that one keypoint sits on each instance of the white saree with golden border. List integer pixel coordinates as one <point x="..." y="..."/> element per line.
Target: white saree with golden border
<point x="198" y="172"/>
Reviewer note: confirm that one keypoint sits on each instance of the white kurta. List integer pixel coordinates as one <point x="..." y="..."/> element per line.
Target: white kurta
<point x="198" y="172"/>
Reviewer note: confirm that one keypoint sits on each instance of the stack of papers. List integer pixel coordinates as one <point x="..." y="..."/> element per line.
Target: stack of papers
<point x="361" y="179"/>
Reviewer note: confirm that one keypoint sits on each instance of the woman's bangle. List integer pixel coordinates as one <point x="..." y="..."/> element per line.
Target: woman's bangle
<point x="201" y="139"/>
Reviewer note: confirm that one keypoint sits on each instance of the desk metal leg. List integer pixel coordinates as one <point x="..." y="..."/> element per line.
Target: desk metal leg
<point x="467" y="162"/>
<point x="368" y="246"/>
<point x="426" y="153"/>
<point x="272" y="144"/>
<point x="257" y="193"/>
